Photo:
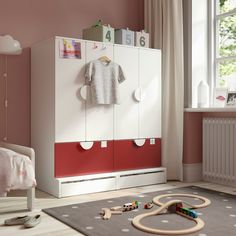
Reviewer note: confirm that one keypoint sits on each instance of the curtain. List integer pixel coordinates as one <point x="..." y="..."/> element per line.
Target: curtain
<point x="163" y="19"/>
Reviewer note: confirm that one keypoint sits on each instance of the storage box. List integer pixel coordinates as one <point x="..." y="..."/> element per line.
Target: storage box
<point x="99" y="33"/>
<point x="124" y="36"/>
<point x="142" y="39"/>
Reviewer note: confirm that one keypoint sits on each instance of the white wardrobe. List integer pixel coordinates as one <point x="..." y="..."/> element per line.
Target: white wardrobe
<point x="69" y="133"/>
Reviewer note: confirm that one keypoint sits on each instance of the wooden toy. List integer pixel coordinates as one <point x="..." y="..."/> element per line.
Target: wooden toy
<point x="116" y="208"/>
<point x="173" y="206"/>
<point x="149" y="205"/>
<point x="130" y="206"/>
<point x="187" y="212"/>
<point x="106" y="212"/>
<point x="178" y="208"/>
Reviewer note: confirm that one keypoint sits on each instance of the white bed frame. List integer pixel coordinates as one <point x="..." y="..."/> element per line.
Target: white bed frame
<point x="31" y="154"/>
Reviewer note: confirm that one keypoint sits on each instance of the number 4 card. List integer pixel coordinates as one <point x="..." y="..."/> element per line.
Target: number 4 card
<point x="108" y="34"/>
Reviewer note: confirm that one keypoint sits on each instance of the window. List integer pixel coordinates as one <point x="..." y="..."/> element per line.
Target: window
<point x="225" y="44"/>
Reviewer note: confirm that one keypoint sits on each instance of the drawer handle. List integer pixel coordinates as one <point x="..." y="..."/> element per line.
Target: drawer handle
<point x="86" y="145"/>
<point x="138" y="94"/>
<point x="140" y="142"/>
<point x="84" y="92"/>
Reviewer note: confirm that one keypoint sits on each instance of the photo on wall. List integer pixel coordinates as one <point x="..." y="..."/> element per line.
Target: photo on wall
<point x="231" y="98"/>
<point x="70" y="49"/>
<point x="220" y="97"/>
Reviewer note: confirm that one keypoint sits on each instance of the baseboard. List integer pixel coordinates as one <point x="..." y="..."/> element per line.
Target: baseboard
<point x="192" y="172"/>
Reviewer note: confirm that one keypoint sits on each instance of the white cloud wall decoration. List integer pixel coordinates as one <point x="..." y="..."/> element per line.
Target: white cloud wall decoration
<point x="9" y="46"/>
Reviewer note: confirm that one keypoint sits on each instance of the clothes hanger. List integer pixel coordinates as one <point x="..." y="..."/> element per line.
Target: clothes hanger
<point x="104" y="59"/>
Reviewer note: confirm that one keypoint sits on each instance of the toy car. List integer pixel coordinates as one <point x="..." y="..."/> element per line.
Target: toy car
<point x="130" y="206"/>
<point x="148" y="205"/>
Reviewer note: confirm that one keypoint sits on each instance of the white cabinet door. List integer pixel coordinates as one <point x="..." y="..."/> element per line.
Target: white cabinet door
<point x="70" y="107"/>
<point x="126" y="113"/>
<point x="150" y="82"/>
<point x="99" y="118"/>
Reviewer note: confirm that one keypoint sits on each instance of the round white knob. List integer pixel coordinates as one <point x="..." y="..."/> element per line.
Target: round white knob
<point x="86" y="145"/>
<point x="84" y="92"/>
<point x="140" y="142"/>
<point x="138" y="94"/>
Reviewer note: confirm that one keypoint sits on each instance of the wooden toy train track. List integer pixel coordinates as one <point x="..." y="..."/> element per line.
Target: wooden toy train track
<point x="176" y="203"/>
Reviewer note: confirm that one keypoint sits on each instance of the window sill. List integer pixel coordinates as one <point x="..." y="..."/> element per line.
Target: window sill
<point x="211" y="109"/>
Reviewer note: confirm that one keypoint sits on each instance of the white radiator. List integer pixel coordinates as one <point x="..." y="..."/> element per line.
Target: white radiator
<point x="219" y="150"/>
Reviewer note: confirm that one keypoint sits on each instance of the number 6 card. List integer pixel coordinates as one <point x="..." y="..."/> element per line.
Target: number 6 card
<point x="142" y="39"/>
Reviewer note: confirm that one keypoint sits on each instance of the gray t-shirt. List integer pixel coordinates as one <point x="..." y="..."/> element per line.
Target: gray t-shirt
<point x="104" y="79"/>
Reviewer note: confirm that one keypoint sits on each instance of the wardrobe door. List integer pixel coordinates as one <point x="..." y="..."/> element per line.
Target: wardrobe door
<point x="150" y="82"/>
<point x="99" y="118"/>
<point x="129" y="156"/>
<point x="126" y="113"/>
<point x="70" y="107"/>
<point x="72" y="160"/>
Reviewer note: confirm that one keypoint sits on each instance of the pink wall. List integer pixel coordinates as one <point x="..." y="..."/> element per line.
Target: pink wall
<point x="30" y="21"/>
<point x="193" y="134"/>
<point x="192" y="150"/>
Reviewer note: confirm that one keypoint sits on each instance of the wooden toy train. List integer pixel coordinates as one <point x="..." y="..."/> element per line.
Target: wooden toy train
<point x="173" y="206"/>
<point x="178" y="208"/>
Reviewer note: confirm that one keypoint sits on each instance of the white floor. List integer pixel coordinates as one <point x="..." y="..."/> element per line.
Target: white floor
<point x="15" y="205"/>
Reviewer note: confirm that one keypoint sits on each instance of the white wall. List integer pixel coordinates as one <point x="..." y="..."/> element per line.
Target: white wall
<point x="195" y="47"/>
<point x="199" y="45"/>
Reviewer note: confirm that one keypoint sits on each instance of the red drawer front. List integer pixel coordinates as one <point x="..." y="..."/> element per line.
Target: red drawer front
<point x="127" y="155"/>
<point x="71" y="159"/>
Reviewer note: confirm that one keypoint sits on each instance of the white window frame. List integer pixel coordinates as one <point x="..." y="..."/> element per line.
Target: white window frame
<point x="211" y="50"/>
<point x="215" y="32"/>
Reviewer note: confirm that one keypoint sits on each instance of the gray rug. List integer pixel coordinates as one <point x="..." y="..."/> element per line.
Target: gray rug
<point x="219" y="217"/>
